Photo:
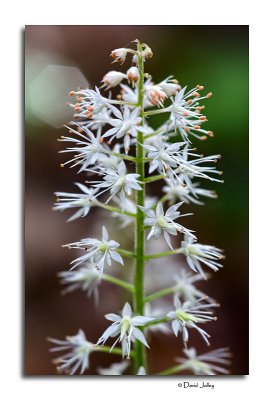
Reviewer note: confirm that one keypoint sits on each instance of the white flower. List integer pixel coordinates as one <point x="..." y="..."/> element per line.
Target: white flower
<point x="130" y="206"/>
<point x="114" y="369"/>
<point x="98" y="251"/>
<point x="170" y="158"/>
<point x="87" y="151"/>
<point x="175" y="191"/>
<point x="119" y="55"/>
<point x="131" y="95"/>
<point x="133" y="75"/>
<point x="164" y="222"/>
<point x="184" y="287"/>
<point x="84" y="201"/>
<point x="124" y="125"/>
<point x="155" y="95"/>
<point x="188" y="169"/>
<point x="204" y="364"/>
<point x="170" y="86"/>
<point x="163" y="155"/>
<point x="141" y="371"/>
<point x="112" y="79"/>
<point x="90" y="102"/>
<point x="186" y="113"/>
<point x="78" y="355"/>
<point x="125" y="327"/>
<point x="119" y="182"/>
<point x="197" y="254"/>
<point x="85" y="278"/>
<point x="188" y="315"/>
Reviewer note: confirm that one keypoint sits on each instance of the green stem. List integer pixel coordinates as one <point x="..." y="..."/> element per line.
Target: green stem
<point x="122" y="103"/>
<point x="172" y="370"/>
<point x="139" y="234"/>
<point x="107" y="349"/>
<point x="154" y="178"/>
<point x="163" y="254"/>
<point x="160" y="293"/>
<point x="158" y="111"/>
<point x="125" y="253"/>
<point x="149" y="135"/>
<point x="124" y="157"/>
<point x="114" y="209"/>
<point x="118" y="282"/>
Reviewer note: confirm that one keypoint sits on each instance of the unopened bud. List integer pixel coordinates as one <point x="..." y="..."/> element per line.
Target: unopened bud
<point x="112" y="79"/>
<point x="133" y="75"/>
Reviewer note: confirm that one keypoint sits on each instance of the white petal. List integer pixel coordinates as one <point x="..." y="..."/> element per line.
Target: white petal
<point x="140" y="336"/>
<point x="127" y="311"/>
<point x="116" y="256"/>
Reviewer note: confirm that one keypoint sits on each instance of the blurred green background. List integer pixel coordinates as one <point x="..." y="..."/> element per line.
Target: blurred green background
<point x="213" y="56"/>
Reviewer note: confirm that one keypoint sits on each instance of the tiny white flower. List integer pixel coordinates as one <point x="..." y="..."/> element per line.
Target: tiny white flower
<point x="185" y="113"/>
<point x="188" y="315"/>
<point x="185" y="288"/>
<point x="90" y="102"/>
<point x="118" y="182"/>
<point x="155" y="95"/>
<point x="119" y="55"/>
<point x="204" y="364"/>
<point x="175" y="191"/>
<point x="114" y="369"/>
<point x="133" y="75"/>
<point x="163" y="155"/>
<point x="131" y="94"/>
<point x="169" y="158"/>
<point x="78" y="355"/>
<point x="197" y="254"/>
<point x="87" y="151"/>
<point x="170" y="86"/>
<point x="124" y="125"/>
<point x="85" y="278"/>
<point x="125" y="327"/>
<point x="164" y="222"/>
<point x="141" y="371"/>
<point x="112" y="79"/>
<point x="98" y="251"/>
<point x="130" y="206"/>
<point x="84" y="201"/>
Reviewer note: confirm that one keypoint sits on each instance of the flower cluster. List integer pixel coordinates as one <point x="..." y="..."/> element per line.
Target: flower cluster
<point x="110" y="140"/>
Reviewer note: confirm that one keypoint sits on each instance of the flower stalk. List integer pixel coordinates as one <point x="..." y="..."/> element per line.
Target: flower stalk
<point x="101" y="136"/>
<point x="139" y="232"/>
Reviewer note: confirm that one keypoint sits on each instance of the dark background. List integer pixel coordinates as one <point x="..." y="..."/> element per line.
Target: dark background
<point x="213" y="56"/>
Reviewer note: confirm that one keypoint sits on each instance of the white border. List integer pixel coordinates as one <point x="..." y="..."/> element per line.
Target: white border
<point x="234" y="12"/>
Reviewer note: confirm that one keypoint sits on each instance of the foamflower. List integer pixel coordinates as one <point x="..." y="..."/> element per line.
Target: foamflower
<point x="188" y="315"/>
<point x="85" y="278"/>
<point x="161" y="221"/>
<point x="185" y="288"/>
<point x="84" y="201"/>
<point x="118" y="182"/>
<point x="125" y="327"/>
<point x="198" y="254"/>
<point x="99" y="251"/>
<point x="205" y="364"/>
<point x="88" y="147"/>
<point x="78" y="356"/>
<point x="124" y="125"/>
